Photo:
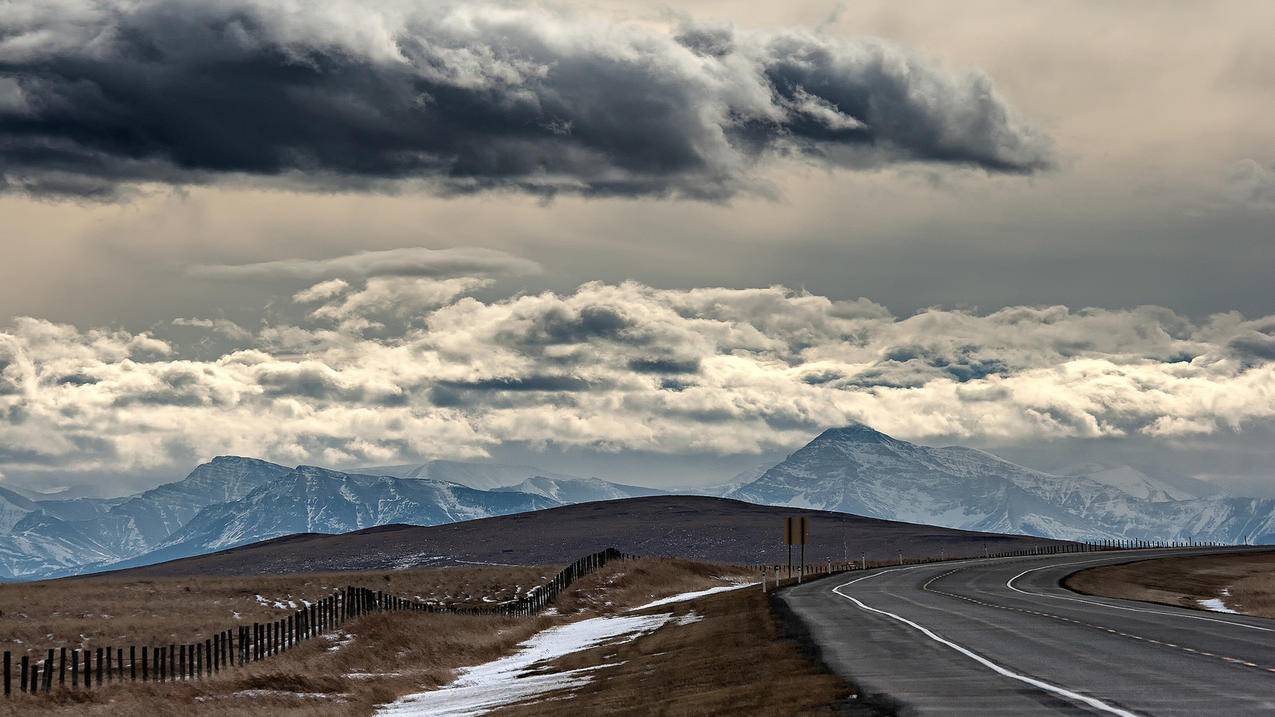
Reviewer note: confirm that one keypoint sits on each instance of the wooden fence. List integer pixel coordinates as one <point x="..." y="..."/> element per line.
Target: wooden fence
<point x="241" y="645"/>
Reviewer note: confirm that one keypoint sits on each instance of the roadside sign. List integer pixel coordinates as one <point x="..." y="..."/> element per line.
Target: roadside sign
<point x="796" y="530"/>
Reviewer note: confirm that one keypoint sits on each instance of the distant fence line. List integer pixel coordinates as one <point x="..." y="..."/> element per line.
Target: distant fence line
<point x="244" y="644"/>
<point x="795" y="571"/>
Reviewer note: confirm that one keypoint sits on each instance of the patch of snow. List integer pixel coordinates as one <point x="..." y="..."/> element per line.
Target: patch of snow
<point x="1216" y="605"/>
<point x="285" y="693"/>
<point x="689" y="618"/>
<point x="512" y="679"/>
<point x="370" y="675"/>
<point x="338" y="640"/>
<point x="691" y="596"/>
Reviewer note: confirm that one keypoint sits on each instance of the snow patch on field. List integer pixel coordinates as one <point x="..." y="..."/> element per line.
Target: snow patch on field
<point x="1217" y="604"/>
<point x="691" y="596"/>
<point x="514" y="678"/>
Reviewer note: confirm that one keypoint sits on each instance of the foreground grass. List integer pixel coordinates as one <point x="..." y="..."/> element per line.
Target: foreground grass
<point x="376" y="658"/>
<point x="721" y="654"/>
<point x="1245" y="581"/>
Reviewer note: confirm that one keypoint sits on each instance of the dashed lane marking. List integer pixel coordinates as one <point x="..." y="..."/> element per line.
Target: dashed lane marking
<point x="1102" y="628"/>
<point x="1093" y="702"/>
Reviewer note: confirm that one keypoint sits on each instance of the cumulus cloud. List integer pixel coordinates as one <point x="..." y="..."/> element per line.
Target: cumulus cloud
<point x="225" y="327"/>
<point x="100" y="96"/>
<point x="616" y="367"/>
<point x="321" y="291"/>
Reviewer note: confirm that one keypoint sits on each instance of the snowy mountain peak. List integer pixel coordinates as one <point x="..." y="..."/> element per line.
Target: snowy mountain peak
<point x="856" y="469"/>
<point x="1131" y="481"/>
<point x="852" y="433"/>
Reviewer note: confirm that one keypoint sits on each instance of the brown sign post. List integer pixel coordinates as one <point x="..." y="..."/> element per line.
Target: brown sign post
<point x="796" y="532"/>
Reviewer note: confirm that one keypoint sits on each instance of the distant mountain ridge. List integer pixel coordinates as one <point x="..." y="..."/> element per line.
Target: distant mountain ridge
<point x="857" y="469"/>
<point x="310" y="499"/>
<point x="231" y="500"/>
<point x="483" y="476"/>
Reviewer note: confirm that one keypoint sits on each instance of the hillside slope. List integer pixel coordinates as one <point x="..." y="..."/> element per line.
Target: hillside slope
<point x="703" y="528"/>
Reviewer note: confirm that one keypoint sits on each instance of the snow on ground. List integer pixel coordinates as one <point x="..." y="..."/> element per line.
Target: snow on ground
<point x="691" y="596"/>
<point x="1217" y="604"/>
<point x="512" y="679"/>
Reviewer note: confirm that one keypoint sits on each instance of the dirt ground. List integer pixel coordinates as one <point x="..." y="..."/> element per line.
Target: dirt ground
<point x="1244" y="582"/>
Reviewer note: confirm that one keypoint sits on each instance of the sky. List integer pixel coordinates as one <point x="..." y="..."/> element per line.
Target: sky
<point x="660" y="243"/>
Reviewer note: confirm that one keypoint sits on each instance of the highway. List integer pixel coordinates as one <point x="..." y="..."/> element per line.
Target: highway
<point x="1002" y="637"/>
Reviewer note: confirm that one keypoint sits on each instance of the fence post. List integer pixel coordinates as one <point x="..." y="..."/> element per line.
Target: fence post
<point x="8" y="673"/>
<point x="48" y="672"/>
<point x="99" y="667"/>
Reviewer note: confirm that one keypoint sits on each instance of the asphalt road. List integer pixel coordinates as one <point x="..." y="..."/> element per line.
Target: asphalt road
<point x="1002" y="637"/>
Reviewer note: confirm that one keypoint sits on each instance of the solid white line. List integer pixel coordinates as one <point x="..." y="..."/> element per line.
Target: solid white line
<point x="1061" y="691"/>
<point x="1010" y="584"/>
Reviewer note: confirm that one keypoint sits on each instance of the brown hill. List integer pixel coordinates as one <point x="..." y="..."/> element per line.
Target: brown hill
<point x="703" y="528"/>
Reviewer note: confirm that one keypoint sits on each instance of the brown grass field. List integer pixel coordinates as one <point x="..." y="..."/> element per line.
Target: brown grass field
<point x="371" y="660"/>
<point x="734" y="656"/>
<point x="122" y="610"/>
<point x="1248" y="577"/>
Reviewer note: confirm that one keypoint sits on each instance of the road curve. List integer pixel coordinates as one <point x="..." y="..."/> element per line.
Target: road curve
<point x="1002" y="637"/>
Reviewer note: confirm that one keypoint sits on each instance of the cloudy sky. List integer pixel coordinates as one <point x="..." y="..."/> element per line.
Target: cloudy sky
<point x="659" y="243"/>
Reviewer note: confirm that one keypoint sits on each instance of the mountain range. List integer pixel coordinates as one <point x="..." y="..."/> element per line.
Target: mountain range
<point x="232" y="501"/>
<point x="856" y="469"/>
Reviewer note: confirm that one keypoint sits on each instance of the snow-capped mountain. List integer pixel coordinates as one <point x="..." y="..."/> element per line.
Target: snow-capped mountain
<point x="232" y="500"/>
<point x="37" y="537"/>
<point x="1136" y="483"/>
<point x="721" y="490"/>
<point x="856" y="469"/>
<point x="13" y="508"/>
<point x="483" y="476"/>
<point x="309" y="499"/>
<point x="579" y="490"/>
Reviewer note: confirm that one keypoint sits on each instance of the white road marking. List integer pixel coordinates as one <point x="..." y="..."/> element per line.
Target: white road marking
<point x="998" y="669"/>
<point x="1010" y="584"/>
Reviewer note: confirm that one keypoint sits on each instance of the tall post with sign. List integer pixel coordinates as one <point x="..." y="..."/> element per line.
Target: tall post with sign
<point x="796" y="532"/>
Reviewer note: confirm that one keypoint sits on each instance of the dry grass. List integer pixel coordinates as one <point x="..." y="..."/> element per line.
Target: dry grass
<point x="371" y="660"/>
<point x="732" y="657"/>
<point x="1249" y="578"/>
<point x="118" y="610"/>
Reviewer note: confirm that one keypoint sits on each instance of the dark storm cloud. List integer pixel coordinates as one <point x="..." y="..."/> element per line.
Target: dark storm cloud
<point x="664" y="365"/>
<point x="338" y="95"/>
<point x="539" y="382"/>
<point x="1254" y="345"/>
<point x="557" y="326"/>
<point x="964" y="363"/>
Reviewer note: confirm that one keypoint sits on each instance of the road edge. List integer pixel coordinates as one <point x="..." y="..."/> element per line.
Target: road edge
<point x="860" y="703"/>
